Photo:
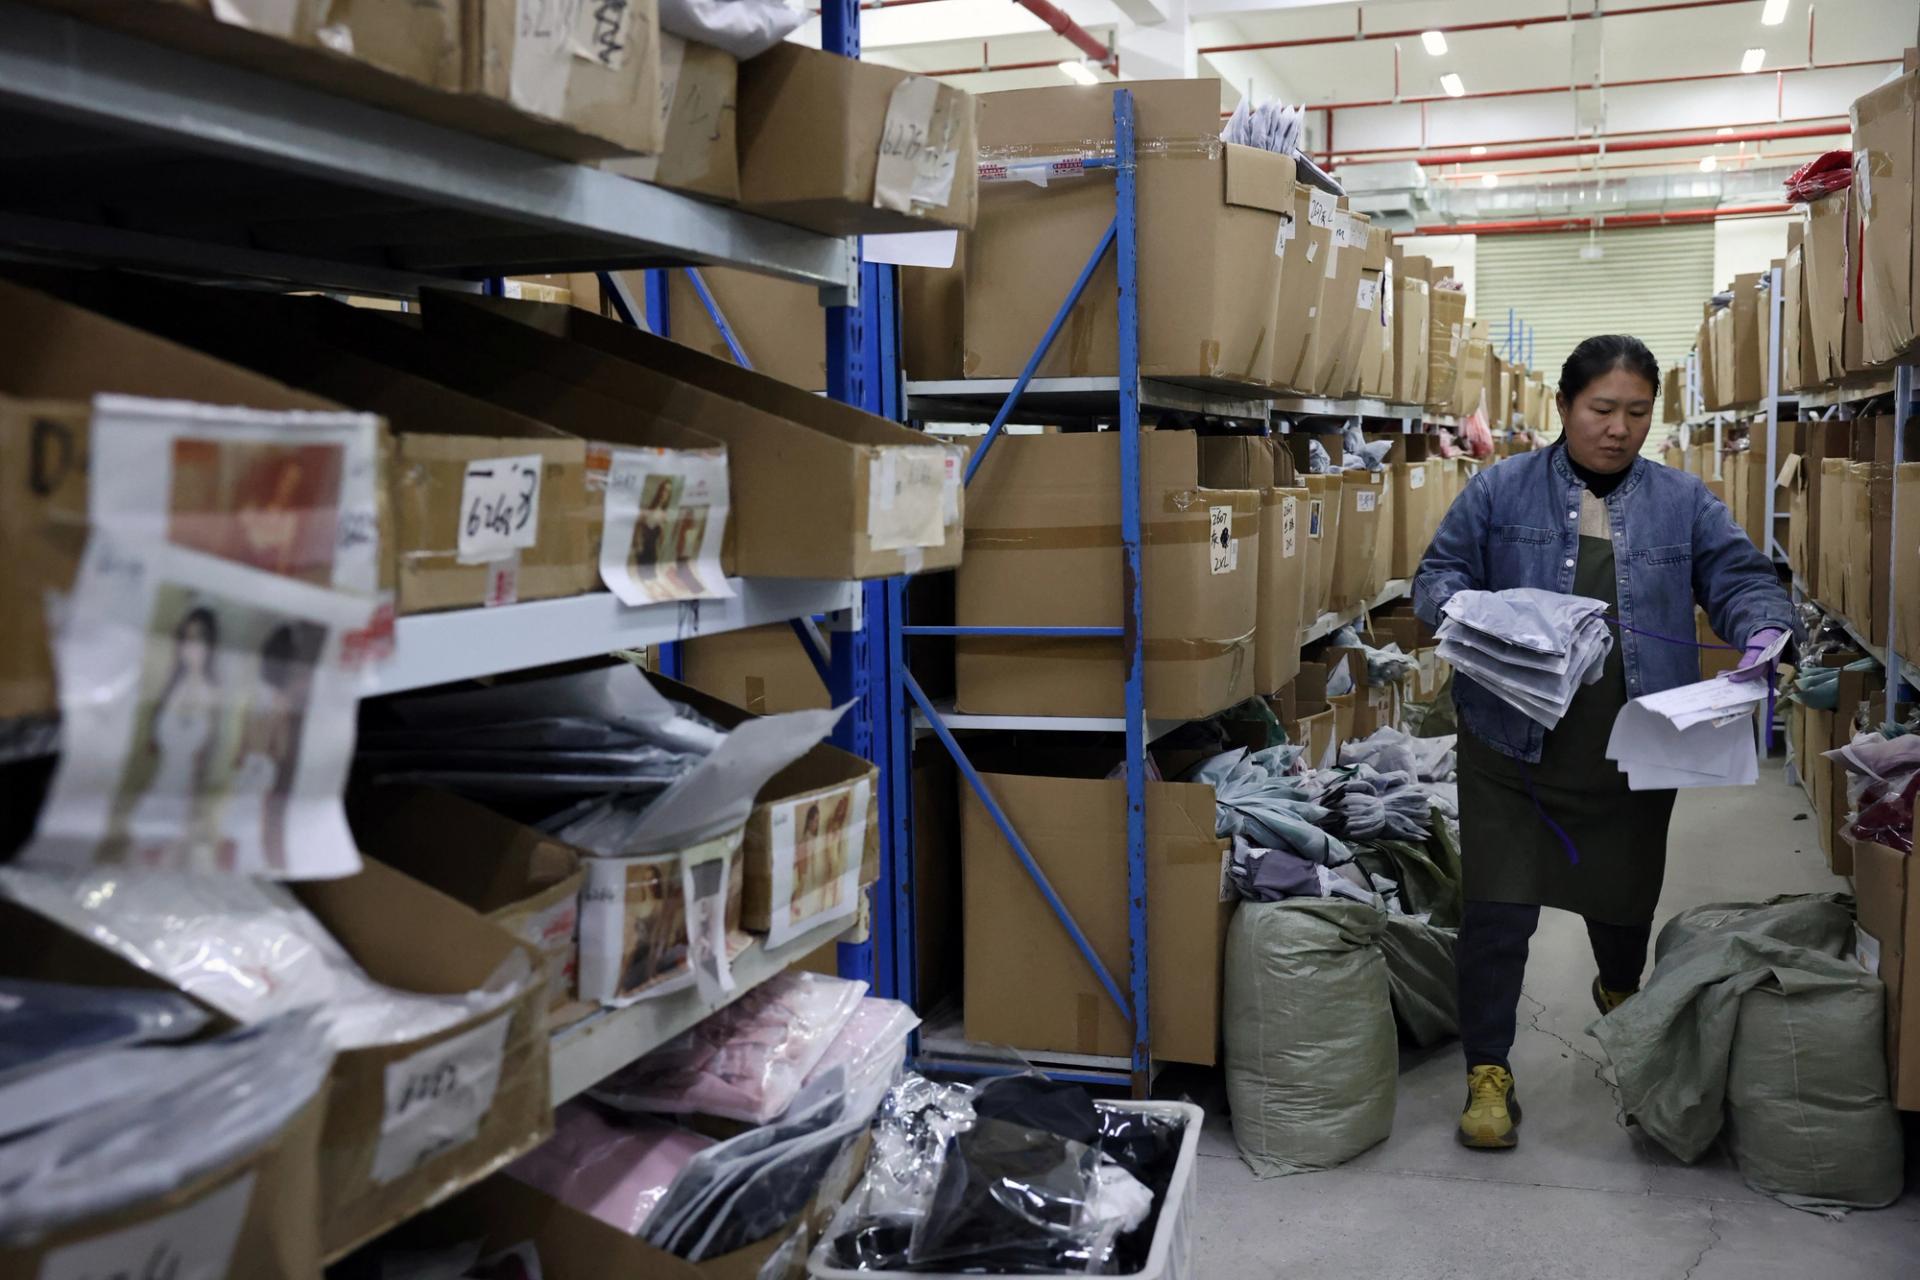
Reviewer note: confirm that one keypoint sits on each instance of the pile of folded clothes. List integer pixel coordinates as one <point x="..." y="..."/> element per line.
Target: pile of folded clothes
<point x="1259" y="797"/>
<point x="1531" y="648"/>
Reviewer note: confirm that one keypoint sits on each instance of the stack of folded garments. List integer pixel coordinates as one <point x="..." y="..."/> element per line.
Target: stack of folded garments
<point x="1529" y="647"/>
<point x="1256" y="798"/>
<point x="1270" y="875"/>
<point x="1364" y="804"/>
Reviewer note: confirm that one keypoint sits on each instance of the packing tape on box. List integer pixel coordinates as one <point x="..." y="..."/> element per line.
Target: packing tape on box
<point x="1041" y="162"/>
<point x="1086" y="537"/>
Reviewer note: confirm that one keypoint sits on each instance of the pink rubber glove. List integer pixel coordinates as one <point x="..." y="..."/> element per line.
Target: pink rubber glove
<point x="1751" y="667"/>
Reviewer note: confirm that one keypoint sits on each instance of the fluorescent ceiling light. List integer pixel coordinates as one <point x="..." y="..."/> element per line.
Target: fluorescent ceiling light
<point x="1774" y="14"/>
<point x="1451" y="83"/>
<point x="1750" y="60"/>
<point x="1435" y="41"/>
<point x="1724" y="130"/>
<point x="1708" y="164"/>
<point x="1476" y="151"/>
<point x="1078" y="72"/>
<point x="1489" y="179"/>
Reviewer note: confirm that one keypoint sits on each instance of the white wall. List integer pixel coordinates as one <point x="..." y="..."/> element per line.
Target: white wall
<point x="1747" y="244"/>
<point x="1447" y="251"/>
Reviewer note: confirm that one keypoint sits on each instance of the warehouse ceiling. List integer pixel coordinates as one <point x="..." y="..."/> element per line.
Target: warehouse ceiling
<point x="1550" y="94"/>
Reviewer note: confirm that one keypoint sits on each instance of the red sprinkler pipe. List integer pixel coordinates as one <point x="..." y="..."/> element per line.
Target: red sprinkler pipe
<point x="1597" y="146"/>
<point x="1839" y="121"/>
<point x="1455" y="28"/>
<point x="1607" y="222"/>
<point x="1065" y="27"/>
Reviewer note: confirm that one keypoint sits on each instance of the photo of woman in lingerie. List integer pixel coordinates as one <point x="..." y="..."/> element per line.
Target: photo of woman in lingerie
<point x="174" y="740"/>
<point x="268" y="756"/>
<point x="270" y="506"/>
<point x="659" y="495"/>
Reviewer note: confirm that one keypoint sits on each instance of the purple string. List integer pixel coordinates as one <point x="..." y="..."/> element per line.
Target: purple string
<point x="1655" y="635"/>
<point x="1573" y="852"/>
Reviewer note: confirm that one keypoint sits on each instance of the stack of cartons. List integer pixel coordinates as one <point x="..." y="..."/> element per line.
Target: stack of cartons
<point x="1884" y="140"/>
<point x="1823" y="241"/>
<point x="1253" y="462"/>
<point x="1446" y="333"/>
<point x="1308" y="237"/>
<point x="1412" y="292"/>
<point x="1868" y="501"/>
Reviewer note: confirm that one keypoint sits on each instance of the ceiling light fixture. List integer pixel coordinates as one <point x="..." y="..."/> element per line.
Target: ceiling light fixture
<point x="1489" y="179"/>
<point x="1078" y="72"/>
<point x="1476" y="151"/>
<point x="1750" y="60"/>
<point x="1774" y="14"/>
<point x="1435" y="41"/>
<point x="1451" y="82"/>
<point x="1724" y="130"/>
<point x="1708" y="164"/>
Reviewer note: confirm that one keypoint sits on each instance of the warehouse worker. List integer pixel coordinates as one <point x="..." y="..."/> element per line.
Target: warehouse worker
<point x="1546" y="820"/>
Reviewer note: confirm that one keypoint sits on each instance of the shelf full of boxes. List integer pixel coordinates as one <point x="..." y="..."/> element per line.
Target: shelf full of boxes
<point x="281" y="512"/>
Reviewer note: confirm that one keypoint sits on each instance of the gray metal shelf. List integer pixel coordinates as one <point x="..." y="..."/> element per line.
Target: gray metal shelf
<point x="976" y="399"/>
<point x="127" y="152"/>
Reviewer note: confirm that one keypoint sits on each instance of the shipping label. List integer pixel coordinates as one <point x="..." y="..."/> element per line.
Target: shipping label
<point x="499" y="508"/>
<point x="1220" y="538"/>
<point x="1416" y="477"/>
<point x="1289" y="527"/>
<point x="918" y="151"/>
<point x="1365" y="500"/>
<point x="1366" y="295"/>
<point x="1321" y="207"/>
<point x="907" y="496"/>
<point x="436" y="1098"/>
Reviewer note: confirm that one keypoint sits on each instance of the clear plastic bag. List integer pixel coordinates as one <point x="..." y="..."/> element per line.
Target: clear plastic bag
<point x="747" y="1060"/>
<point x="617" y="1169"/>
<point x="744" y="28"/>
<point x="871" y="1048"/>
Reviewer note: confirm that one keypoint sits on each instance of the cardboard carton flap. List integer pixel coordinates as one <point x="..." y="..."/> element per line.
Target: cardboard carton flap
<point x="1258" y="179"/>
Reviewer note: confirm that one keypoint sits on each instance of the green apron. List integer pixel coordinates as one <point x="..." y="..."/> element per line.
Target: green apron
<point x="1510" y="854"/>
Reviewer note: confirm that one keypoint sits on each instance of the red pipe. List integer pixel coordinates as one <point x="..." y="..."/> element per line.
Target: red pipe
<point x="1604" y="222"/>
<point x="1065" y="27"/>
<point x="1523" y="142"/>
<point x="1598" y="146"/>
<point x="1528" y="175"/>
<point x="1513" y="23"/>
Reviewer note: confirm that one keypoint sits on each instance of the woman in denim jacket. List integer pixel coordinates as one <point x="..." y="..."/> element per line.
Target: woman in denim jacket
<point x="1590" y="517"/>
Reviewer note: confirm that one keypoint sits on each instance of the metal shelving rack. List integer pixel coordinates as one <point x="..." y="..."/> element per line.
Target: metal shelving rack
<point x="146" y="157"/>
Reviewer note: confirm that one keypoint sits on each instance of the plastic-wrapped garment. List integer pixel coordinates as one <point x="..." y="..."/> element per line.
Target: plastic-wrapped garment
<point x="1318" y="463"/>
<point x="747" y="1060"/>
<point x="1013" y="1200"/>
<point x="871" y="1048"/>
<point x="182" y="1111"/>
<point x="1821" y="176"/>
<point x="1365" y="804"/>
<point x="1312" y="1055"/>
<point x="62" y="1047"/>
<point x="1811" y="1121"/>
<point x="617" y="1169"/>
<point x="1390" y="751"/>
<point x="1422" y="980"/>
<point x="1271" y="810"/>
<point x="1384" y="665"/>
<point x="246" y="947"/>
<point x="1883" y="776"/>
<point x="743" y="28"/>
<point x="1531" y="617"/>
<point x="1359" y="453"/>
<point x="1528" y="683"/>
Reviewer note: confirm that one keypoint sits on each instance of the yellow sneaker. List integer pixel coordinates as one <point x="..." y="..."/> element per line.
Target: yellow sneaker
<point x="1491" y="1121"/>
<point x="1607" y="1001"/>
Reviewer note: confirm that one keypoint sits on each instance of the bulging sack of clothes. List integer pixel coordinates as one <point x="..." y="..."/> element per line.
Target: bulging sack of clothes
<point x="1311" y="1050"/>
<point x="1759" y="1023"/>
<point x="1422" y="979"/>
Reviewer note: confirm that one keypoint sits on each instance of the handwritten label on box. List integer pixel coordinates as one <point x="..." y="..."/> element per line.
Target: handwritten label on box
<point x="436" y="1098"/>
<point x="1220" y="537"/>
<point x="192" y="1243"/>
<point x="499" y="508"/>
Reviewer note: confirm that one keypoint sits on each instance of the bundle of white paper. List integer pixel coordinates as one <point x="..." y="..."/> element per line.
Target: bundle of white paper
<point x="1698" y="735"/>
<point x="1532" y="648"/>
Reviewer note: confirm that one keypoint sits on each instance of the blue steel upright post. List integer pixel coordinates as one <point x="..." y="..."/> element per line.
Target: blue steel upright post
<point x="1133" y="611"/>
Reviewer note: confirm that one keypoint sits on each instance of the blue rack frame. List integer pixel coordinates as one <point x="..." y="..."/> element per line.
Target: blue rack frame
<point x="1131" y="999"/>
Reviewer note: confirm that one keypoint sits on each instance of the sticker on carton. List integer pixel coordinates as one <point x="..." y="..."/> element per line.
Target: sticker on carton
<point x="1366" y="295"/>
<point x="499" y="508"/>
<point x="906" y="496"/>
<point x="1320" y="209"/>
<point x="918" y="150"/>
<point x="1220" y="538"/>
<point x="1314" y="514"/>
<point x="602" y="32"/>
<point x="1365" y="500"/>
<point x="1289" y="527"/>
<point x="436" y="1098"/>
<point x="1416" y="477"/>
<point x="192" y="1242"/>
<point x="1285" y="234"/>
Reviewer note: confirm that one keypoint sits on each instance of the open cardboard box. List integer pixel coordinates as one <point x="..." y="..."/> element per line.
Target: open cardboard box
<point x="1888" y="891"/>
<point x="820" y="489"/>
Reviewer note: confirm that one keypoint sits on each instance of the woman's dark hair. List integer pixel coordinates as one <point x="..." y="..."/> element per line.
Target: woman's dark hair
<point x="1599" y="356"/>
<point x="199" y="617"/>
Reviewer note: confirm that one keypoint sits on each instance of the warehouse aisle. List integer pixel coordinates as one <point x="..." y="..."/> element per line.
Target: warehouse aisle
<point x="1582" y="1197"/>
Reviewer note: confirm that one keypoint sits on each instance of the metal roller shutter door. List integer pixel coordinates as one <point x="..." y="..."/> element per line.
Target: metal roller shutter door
<point x="1651" y="284"/>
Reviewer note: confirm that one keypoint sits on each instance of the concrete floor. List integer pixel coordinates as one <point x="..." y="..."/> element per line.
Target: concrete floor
<point x="1583" y="1196"/>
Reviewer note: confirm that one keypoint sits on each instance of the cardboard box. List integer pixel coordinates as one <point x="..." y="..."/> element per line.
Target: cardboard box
<point x="1283" y="586"/>
<point x="1366" y="538"/>
<point x="1824" y="242"/>
<point x="1823" y="440"/>
<point x="1026" y="985"/>
<point x="1868" y="491"/>
<point x="1794" y="479"/>
<point x="763" y="669"/>
<point x="699" y="149"/>
<point x="1673" y="409"/>
<point x="806" y="472"/>
<point x="778" y="323"/>
<point x="1884" y="140"/>
<point x="610" y="92"/>
<point x="833" y="781"/>
<point x="260" y="1212"/>
<point x="1303" y="278"/>
<point x="1325" y="504"/>
<point x="1830" y="590"/>
<point x="519" y="878"/>
<point x="1906" y="559"/>
<point x="1416" y="514"/>
<point x="1887" y="889"/>
<point x="1210" y="219"/>
<point x="845" y="147"/>
<point x="1446" y="334"/>
<point x="1355" y="366"/>
<point x="933" y="310"/>
<point x="1798" y="369"/>
<point x="1470" y="392"/>
<point x="1335" y="327"/>
<point x="1043" y="549"/>
<point x="1412" y="328"/>
<point x="1749" y="379"/>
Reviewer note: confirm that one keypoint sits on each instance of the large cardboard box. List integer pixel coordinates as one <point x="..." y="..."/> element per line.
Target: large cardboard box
<point x="1742" y="358"/>
<point x="1446" y="334"/>
<point x="1830" y="586"/>
<point x="763" y="669"/>
<point x="699" y="148"/>
<point x="846" y="147"/>
<point x="1884" y="140"/>
<point x="778" y="323"/>
<point x="1906" y="560"/>
<point x="933" y="304"/>
<point x="1210" y="221"/>
<point x="1283" y="586"/>
<point x="1673" y="409"/>
<point x="1412" y="328"/>
<point x="1303" y="278"/>
<point x="1325" y="504"/>
<point x="1798" y="369"/>
<point x="1868" y="491"/>
<point x="809" y="476"/>
<point x="1794" y="480"/>
<point x="1824" y="241"/>
<point x="1470" y="391"/>
<point x="1366" y="538"/>
<point x="1887" y="887"/>
<point x="595" y="70"/>
<point x="1823" y="440"/>
<point x="1416" y="513"/>
<point x="1335" y="327"/>
<point x="1043" y="549"/>
<point x="1027" y="986"/>
<point x="1354" y="367"/>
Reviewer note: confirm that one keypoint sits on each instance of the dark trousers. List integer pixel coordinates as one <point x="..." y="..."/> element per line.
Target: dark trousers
<point x="1491" y="955"/>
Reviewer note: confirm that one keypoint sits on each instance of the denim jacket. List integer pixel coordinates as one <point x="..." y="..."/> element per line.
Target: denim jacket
<point x="1517" y="524"/>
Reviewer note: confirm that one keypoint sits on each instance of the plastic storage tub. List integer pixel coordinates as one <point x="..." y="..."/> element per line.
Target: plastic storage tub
<point x="1170" y="1258"/>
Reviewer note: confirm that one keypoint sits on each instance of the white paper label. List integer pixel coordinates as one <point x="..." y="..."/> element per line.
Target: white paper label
<point x="603" y="32"/>
<point x="955" y="483"/>
<point x="192" y="1243"/>
<point x="437" y="1098"/>
<point x="1866" y="950"/>
<point x="1453" y="347"/>
<point x="1365" y="500"/>
<point x="1320" y="209"/>
<point x="906" y="496"/>
<point x="1366" y="295"/>
<point x="1283" y="235"/>
<point x="1289" y="527"/>
<point x="1313" y="517"/>
<point x="273" y="17"/>
<point x="499" y="508"/>
<point x="540" y="64"/>
<point x="1416" y="477"/>
<point x="1220" y="536"/>
<point x="1313" y="250"/>
<point x="917" y="149"/>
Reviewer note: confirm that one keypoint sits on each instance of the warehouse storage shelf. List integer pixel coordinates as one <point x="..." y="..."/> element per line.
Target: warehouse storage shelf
<point x="1865" y="387"/>
<point x="588" y="1051"/>
<point x="1909" y="670"/>
<point x="964" y="399"/>
<point x="250" y="178"/>
<point x="433" y="648"/>
<point x="1321" y="407"/>
<point x="944" y="1047"/>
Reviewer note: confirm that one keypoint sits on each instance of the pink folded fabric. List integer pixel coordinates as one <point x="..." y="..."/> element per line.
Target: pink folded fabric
<point x="615" y="1168"/>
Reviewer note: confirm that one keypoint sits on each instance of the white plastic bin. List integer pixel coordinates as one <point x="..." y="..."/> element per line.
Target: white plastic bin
<point x="1170" y="1258"/>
